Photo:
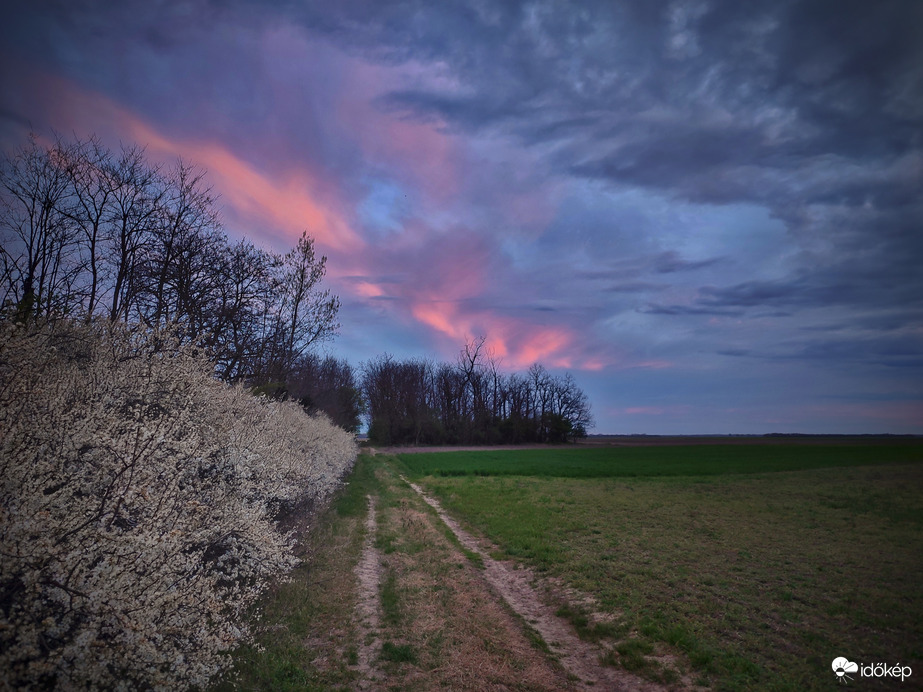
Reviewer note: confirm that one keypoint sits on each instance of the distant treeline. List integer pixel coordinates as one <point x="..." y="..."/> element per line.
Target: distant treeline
<point x="417" y="401"/>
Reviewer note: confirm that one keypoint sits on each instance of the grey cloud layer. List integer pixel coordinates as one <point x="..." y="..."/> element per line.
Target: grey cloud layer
<point x="811" y="109"/>
<point x="808" y="111"/>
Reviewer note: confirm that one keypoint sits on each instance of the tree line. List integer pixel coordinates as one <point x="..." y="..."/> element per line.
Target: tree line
<point x="470" y="401"/>
<point x="92" y="233"/>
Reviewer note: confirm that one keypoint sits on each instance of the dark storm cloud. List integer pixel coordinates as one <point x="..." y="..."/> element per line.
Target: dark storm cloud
<point x="751" y="293"/>
<point x="670" y="263"/>
<point x="655" y="309"/>
<point x="887" y="284"/>
<point x="633" y="287"/>
<point x="811" y="109"/>
<point x="902" y="351"/>
<point x="793" y="78"/>
<point x="890" y="320"/>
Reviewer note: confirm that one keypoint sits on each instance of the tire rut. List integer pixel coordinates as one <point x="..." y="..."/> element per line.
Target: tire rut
<point x="368" y="606"/>
<point x="581" y="659"/>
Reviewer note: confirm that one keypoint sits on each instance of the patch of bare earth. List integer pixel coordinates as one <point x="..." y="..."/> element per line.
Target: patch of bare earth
<point x="368" y="608"/>
<point x="513" y="584"/>
<point x="442" y="629"/>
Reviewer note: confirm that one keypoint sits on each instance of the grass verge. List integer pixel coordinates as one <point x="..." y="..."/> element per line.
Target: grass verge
<point x="306" y="640"/>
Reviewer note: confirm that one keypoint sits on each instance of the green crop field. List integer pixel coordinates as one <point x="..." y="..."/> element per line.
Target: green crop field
<point x="680" y="460"/>
<point x="752" y="566"/>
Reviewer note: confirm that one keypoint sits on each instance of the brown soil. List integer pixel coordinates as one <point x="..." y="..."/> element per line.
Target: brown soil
<point x="463" y="637"/>
<point x="368" y="610"/>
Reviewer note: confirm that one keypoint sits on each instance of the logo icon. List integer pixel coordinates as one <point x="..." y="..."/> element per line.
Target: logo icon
<point x="841" y="666"/>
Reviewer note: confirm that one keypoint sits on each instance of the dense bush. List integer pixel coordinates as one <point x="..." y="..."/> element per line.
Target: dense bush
<point x="137" y="496"/>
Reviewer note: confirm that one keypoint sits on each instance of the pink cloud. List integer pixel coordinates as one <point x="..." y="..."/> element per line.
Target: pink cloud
<point x="547" y="342"/>
<point x="445" y="288"/>
<point x="366" y="289"/>
<point x="517" y="342"/>
<point x="445" y="283"/>
<point x="289" y="201"/>
<point x="286" y="200"/>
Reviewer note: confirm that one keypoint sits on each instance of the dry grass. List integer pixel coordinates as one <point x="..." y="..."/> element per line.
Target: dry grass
<point x="307" y="633"/>
<point x="457" y="633"/>
<point x="441" y="627"/>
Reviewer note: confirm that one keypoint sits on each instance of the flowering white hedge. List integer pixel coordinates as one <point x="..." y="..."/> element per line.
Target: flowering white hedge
<point x="136" y="501"/>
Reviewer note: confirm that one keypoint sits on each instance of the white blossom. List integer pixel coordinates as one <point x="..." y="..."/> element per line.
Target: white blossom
<point x="136" y="506"/>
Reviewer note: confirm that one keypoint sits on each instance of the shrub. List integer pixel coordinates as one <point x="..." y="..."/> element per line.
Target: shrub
<point x="136" y="504"/>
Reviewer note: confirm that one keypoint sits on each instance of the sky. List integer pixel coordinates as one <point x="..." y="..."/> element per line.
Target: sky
<point x="708" y="212"/>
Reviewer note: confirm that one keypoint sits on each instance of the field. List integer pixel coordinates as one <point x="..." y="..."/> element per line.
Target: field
<point x="705" y="566"/>
<point x="656" y="460"/>
<point x="756" y="565"/>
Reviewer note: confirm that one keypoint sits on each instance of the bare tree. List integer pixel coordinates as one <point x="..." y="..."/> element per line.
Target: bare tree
<point x="90" y="192"/>
<point x="306" y="314"/>
<point x="41" y="259"/>
<point x="540" y="384"/>
<point x="328" y="385"/>
<point x="91" y="231"/>
<point x="134" y="206"/>
<point x="182" y="250"/>
<point x="241" y="315"/>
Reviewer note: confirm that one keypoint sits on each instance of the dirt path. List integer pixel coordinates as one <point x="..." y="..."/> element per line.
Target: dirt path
<point x="579" y="658"/>
<point x="368" y="607"/>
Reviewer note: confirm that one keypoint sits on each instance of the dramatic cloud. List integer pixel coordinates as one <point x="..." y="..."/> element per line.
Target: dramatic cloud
<point x="709" y="210"/>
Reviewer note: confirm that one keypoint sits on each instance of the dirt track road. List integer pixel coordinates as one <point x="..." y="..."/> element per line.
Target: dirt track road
<point x="514" y="585"/>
